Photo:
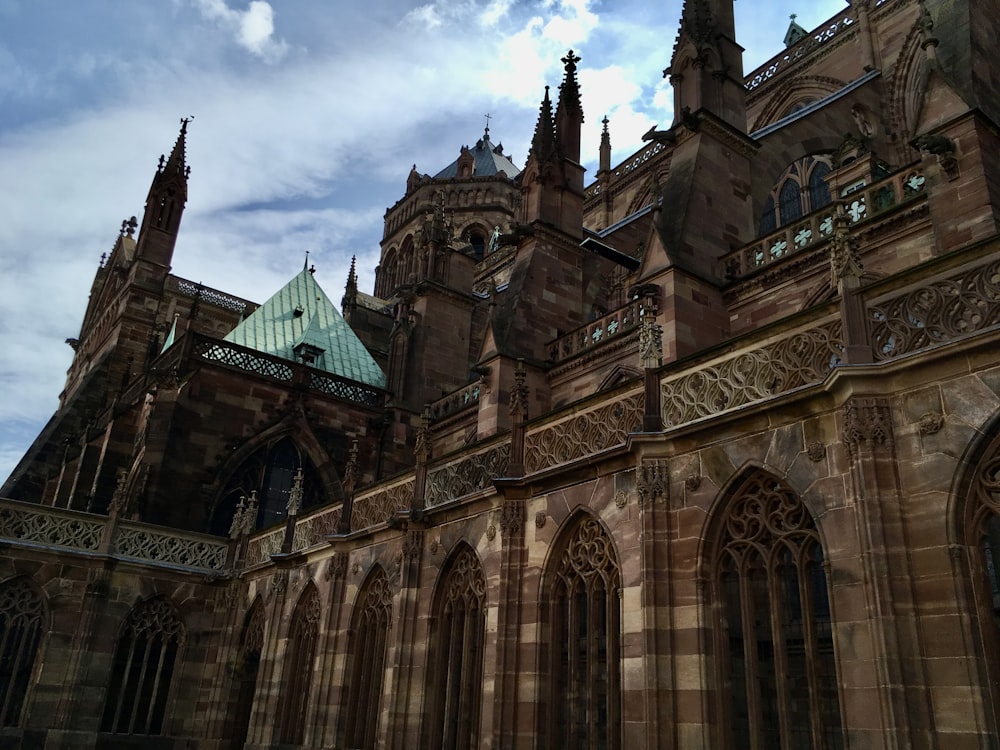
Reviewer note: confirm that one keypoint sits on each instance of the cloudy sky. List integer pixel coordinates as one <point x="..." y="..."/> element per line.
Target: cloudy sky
<point x="307" y="117"/>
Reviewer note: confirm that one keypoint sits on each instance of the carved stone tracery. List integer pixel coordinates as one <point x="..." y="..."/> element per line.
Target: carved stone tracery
<point x="652" y="480"/>
<point x="511" y="517"/>
<point x="583" y="434"/>
<point x="938" y="312"/>
<point x="801" y="358"/>
<point x="867" y="424"/>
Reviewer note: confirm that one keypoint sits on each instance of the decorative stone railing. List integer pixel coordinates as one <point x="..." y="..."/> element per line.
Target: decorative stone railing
<point x="211" y="296"/>
<point x="581" y="432"/>
<point x="139" y="541"/>
<point x="32" y="524"/>
<point x="794" y="359"/>
<point x="455" y="402"/>
<point x="837" y="25"/>
<point x="348" y="390"/>
<point x="604" y="329"/>
<point x="221" y="352"/>
<point x="936" y="313"/>
<point x="632" y="163"/>
<point x="313" y="529"/>
<point x="378" y="504"/>
<point x="224" y="353"/>
<point x="468" y="474"/>
<point x="866" y="203"/>
<point x="263" y="545"/>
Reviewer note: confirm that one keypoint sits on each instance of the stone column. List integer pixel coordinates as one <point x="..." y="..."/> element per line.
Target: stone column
<point x="507" y="730"/>
<point x="404" y="693"/>
<point x="898" y="694"/>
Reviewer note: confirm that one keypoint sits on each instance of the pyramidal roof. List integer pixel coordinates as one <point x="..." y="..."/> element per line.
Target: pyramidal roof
<point x="300" y="323"/>
<point x="488" y="159"/>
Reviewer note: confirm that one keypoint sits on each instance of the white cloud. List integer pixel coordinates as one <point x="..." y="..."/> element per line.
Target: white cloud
<point x="305" y="157"/>
<point x="253" y="28"/>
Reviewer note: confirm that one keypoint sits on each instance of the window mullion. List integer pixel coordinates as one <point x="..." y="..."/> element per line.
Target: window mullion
<point x="777" y="609"/>
<point x="750" y="655"/>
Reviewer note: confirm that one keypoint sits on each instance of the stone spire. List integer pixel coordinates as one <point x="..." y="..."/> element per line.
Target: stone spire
<point x="706" y="70"/>
<point x="543" y="142"/>
<point x="569" y="112"/>
<point x="604" y="164"/>
<point x="165" y="203"/>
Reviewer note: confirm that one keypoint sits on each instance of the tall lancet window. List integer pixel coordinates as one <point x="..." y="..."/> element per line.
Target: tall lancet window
<point x="245" y="675"/>
<point x="455" y="683"/>
<point x="982" y="531"/>
<point x="581" y="641"/>
<point x="774" y="642"/>
<point x="142" y="669"/>
<point x="22" y="616"/>
<point x="366" y="662"/>
<point x="299" y="659"/>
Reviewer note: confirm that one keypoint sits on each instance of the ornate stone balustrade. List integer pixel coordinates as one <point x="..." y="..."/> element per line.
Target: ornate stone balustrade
<point x="29" y="523"/>
<point x="139" y="541"/>
<point x="40" y="524"/>
<point x="263" y="545"/>
<point x="582" y="432"/>
<point x="380" y="503"/>
<point x="211" y="296"/>
<point x="314" y="528"/>
<point x="468" y="474"/>
<point x="838" y="25"/>
<point x="937" y="312"/>
<point x="611" y="326"/>
<point x="224" y="353"/>
<point x="863" y="204"/>
<point x="638" y="159"/>
<point x="798" y="358"/>
<point x="455" y="402"/>
<point x="221" y="352"/>
<point x="348" y="390"/>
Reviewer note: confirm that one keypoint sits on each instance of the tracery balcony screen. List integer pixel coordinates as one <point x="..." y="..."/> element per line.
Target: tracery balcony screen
<point x="776" y="663"/>
<point x="299" y="659"/>
<point x="22" y="614"/>
<point x="141" y="672"/>
<point x="455" y="677"/>
<point x="369" y="636"/>
<point x="582" y="649"/>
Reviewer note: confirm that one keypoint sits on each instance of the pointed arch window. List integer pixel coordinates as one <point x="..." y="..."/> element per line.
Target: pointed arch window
<point x="282" y="463"/>
<point x="982" y="530"/>
<point x="366" y="667"/>
<point x="143" y="667"/>
<point x="456" y="660"/>
<point x="245" y="678"/>
<point x="22" y="615"/>
<point x="798" y="191"/>
<point x="299" y="659"/>
<point x="789" y="202"/>
<point x="270" y="471"/>
<point x="581" y="643"/>
<point x="774" y="639"/>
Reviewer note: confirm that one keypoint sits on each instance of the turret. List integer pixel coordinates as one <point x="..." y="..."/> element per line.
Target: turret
<point x="165" y="204"/>
<point x="706" y="70"/>
<point x="553" y="177"/>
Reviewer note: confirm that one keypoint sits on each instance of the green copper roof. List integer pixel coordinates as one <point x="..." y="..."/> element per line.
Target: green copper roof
<point x="300" y="320"/>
